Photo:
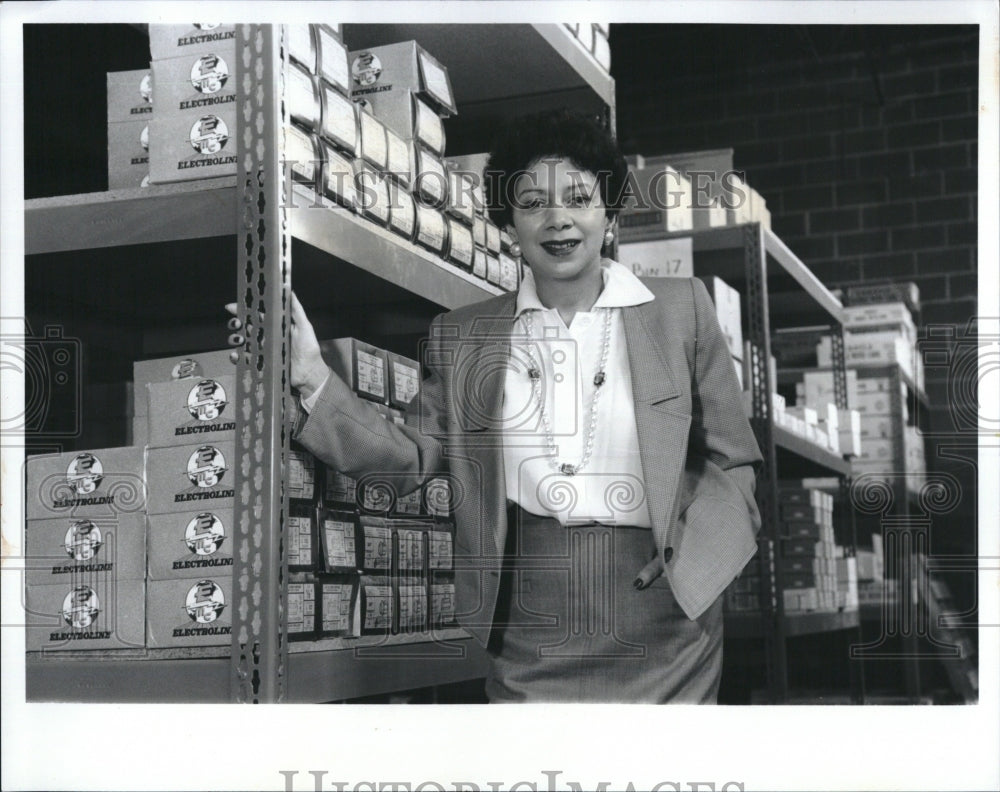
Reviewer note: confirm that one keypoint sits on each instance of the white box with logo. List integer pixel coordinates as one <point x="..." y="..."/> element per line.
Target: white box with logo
<point x="171" y="41"/>
<point x="184" y="411"/>
<point x="69" y="547"/>
<point x="105" y="482"/>
<point x="189" y="612"/>
<point x="183" y="478"/>
<point x="186" y="544"/>
<point x="92" y="611"/>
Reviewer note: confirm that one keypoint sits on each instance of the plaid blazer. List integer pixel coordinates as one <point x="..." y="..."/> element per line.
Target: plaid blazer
<point x="697" y="450"/>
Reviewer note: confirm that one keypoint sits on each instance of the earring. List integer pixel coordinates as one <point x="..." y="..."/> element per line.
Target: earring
<point x="609" y="237"/>
<point x="515" y="250"/>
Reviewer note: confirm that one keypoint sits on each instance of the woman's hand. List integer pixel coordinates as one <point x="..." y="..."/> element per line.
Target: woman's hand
<point x="649" y="573"/>
<point x="308" y="371"/>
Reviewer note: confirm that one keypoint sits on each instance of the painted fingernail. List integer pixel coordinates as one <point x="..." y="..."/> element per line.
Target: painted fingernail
<point x="637" y="583"/>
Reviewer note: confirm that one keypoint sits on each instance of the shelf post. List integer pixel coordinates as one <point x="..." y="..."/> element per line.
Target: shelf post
<point x="259" y="643"/>
<point x="772" y="585"/>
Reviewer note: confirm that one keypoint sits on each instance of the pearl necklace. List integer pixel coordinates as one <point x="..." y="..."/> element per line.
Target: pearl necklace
<point x="535" y="374"/>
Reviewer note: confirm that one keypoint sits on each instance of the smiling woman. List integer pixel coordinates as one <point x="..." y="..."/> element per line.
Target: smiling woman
<point x="592" y="423"/>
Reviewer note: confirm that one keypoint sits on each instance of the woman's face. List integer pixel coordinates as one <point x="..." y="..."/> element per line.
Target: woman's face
<point x="559" y="220"/>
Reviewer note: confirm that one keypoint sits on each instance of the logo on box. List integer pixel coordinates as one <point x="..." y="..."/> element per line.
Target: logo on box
<point x="83" y="540"/>
<point x="81" y="607"/>
<point x="205" y="534"/>
<point x="205" y="602"/>
<point x="209" y="74"/>
<point x="206" y="400"/>
<point x="146" y="88"/>
<point x="366" y="69"/>
<point x="206" y="466"/>
<point x="85" y="474"/>
<point x="209" y="135"/>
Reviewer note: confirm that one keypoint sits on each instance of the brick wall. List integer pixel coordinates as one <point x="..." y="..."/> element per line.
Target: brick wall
<point x="864" y="143"/>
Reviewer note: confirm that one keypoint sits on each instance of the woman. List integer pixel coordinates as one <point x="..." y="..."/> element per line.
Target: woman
<point x="601" y="463"/>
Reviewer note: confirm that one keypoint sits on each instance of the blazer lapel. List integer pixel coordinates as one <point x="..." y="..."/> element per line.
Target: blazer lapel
<point x="661" y="421"/>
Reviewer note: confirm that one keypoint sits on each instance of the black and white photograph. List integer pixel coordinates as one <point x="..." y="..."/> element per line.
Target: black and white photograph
<point x="584" y="356"/>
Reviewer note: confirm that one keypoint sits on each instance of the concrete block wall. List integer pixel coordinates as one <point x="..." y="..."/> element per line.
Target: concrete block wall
<point x="864" y="143"/>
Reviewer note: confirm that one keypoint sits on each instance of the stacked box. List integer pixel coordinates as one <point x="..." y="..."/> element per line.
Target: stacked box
<point x="365" y="368"/>
<point x="375" y="612"/>
<point x="130" y="108"/>
<point x="302" y="610"/>
<point x="180" y="478"/>
<point x="189" y="611"/>
<point x="727" y="309"/>
<point x="145" y="372"/>
<point x="663" y="204"/>
<point x="399" y="68"/>
<point x="193" y="133"/>
<point x="868" y="294"/>
<point x="85" y="550"/>
<point x="184" y="411"/>
<point x="337" y="599"/>
<point x="808" y="549"/>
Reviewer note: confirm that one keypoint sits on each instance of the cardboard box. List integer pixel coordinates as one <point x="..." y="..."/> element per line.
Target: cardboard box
<point x="302" y="49"/>
<point x="181" y="478"/>
<point x="493" y="269"/>
<point x="375" y="612"/>
<point x="402" y="211"/>
<point x="907" y="293"/>
<point x="338" y="178"/>
<point x="658" y="258"/>
<point x="192" y="146"/>
<point x="727" y="309"/>
<point x="880" y="403"/>
<point x="411" y="607"/>
<point x="130" y="96"/>
<point x="409" y="547"/>
<point x="440" y="550"/>
<point x="404" y="380"/>
<point x="339" y="124"/>
<point x="106" y="483"/>
<point x="372" y="190"/>
<point x="430" y="184"/>
<point x="192" y="134"/>
<point x="819" y="388"/>
<point x="301" y="611"/>
<point x="374" y="540"/>
<point x="510" y="273"/>
<point x="189" y="612"/>
<point x="300" y="477"/>
<point x="363" y="367"/>
<point x="89" y="611"/>
<point x="171" y="41"/>
<point x="185" y="411"/>
<point x="333" y="59"/>
<point x="190" y="544"/>
<point x="442" y="604"/>
<point x="460" y="247"/>
<point x="400" y="158"/>
<point x="303" y="157"/>
<point x="468" y="201"/>
<point x="409" y="116"/>
<point x="800" y="529"/>
<point x="340" y="490"/>
<point x="338" y="531"/>
<point x="128" y="154"/>
<point x="68" y="548"/>
<point x="374" y="145"/>
<point x="791" y="548"/>
<point x="462" y="202"/>
<point x="337" y="601"/>
<point x="399" y="67"/>
<point x="708" y="215"/>
<point x="197" y="365"/>
<point x="302" y="98"/>
<point x="432" y="231"/>
<point x="663" y="203"/>
<point x="479" y="263"/>
<point x="302" y="552"/>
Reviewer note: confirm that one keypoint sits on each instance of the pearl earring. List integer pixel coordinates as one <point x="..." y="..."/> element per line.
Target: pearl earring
<point x="609" y="237"/>
<point x="515" y="250"/>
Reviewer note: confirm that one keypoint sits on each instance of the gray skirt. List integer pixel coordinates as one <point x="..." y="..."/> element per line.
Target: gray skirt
<point x="571" y="627"/>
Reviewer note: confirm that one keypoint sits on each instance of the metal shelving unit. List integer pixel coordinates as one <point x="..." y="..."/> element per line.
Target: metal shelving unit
<point x="488" y="64"/>
<point x="779" y="291"/>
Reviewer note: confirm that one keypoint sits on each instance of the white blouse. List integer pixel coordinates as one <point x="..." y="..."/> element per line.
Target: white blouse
<point x="610" y="488"/>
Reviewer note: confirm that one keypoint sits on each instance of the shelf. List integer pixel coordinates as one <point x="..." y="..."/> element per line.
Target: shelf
<point x="161" y="676"/>
<point x="193" y="210"/>
<point x="137" y="216"/>
<point x="377" y="250"/>
<point x="748" y="624"/>
<point x="731" y="237"/>
<point x="488" y="62"/>
<point x="809" y="452"/>
<point x="791" y="374"/>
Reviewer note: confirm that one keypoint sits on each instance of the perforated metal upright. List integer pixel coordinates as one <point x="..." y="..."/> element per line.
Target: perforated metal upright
<point x="759" y="334"/>
<point x="259" y="645"/>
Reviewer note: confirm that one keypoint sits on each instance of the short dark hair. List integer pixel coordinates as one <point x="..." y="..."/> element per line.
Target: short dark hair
<point x="577" y="138"/>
